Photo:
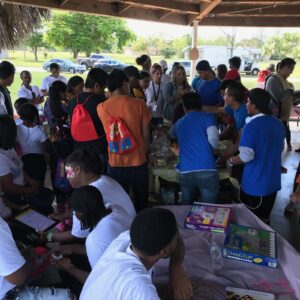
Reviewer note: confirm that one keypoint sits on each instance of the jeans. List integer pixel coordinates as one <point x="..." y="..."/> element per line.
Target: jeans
<point x="135" y="177"/>
<point x="287" y="132"/>
<point x="204" y="182"/>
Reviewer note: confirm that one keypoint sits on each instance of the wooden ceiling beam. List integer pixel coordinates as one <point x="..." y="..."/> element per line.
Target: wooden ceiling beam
<point x="251" y="22"/>
<point x="206" y="8"/>
<point x="250" y="10"/>
<point x="122" y="8"/>
<point x="173" y="6"/>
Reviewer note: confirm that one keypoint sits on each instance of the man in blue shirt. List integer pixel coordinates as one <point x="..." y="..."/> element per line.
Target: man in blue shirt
<point x="198" y="137"/>
<point x="208" y="86"/>
<point x="260" y="152"/>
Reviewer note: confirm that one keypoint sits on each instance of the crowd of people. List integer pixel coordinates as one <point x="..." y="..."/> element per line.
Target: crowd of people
<point x="97" y="147"/>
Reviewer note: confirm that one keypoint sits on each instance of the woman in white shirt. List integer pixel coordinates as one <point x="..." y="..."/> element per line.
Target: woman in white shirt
<point x="30" y="92"/>
<point x="154" y="95"/>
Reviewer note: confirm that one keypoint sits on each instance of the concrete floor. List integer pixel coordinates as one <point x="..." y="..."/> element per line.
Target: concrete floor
<point x="288" y="225"/>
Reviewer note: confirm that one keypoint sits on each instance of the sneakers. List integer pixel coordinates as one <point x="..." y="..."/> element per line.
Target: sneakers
<point x="290" y="208"/>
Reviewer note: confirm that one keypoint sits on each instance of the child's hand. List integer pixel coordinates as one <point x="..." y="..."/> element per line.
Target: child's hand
<point x="175" y="149"/>
<point x="295" y="197"/>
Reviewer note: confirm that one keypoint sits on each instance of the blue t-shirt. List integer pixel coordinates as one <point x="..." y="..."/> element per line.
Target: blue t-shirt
<point x="238" y="115"/>
<point x="195" y="81"/>
<point x="209" y="91"/>
<point x="196" y="154"/>
<point x="262" y="175"/>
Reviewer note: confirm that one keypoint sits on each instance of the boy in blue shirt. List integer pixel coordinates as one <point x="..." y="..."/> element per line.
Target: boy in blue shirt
<point x="260" y="152"/>
<point x="198" y="137"/>
<point x="236" y="108"/>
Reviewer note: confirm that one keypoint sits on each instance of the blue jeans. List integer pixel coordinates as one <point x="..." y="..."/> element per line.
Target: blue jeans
<point x="135" y="177"/>
<point x="205" y="183"/>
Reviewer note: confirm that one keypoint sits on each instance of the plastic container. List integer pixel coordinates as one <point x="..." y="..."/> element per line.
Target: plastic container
<point x="216" y="256"/>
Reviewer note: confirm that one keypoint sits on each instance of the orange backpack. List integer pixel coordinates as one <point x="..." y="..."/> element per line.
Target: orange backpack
<point x="118" y="137"/>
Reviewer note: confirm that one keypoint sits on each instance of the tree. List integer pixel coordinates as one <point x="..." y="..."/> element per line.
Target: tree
<point x="87" y="33"/>
<point x="279" y="47"/>
<point x="231" y="38"/>
<point x="180" y="43"/>
<point x="34" y="41"/>
<point x="17" y="22"/>
<point x="252" y="43"/>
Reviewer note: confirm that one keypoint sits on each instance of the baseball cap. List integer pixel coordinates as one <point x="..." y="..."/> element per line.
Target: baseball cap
<point x="203" y="65"/>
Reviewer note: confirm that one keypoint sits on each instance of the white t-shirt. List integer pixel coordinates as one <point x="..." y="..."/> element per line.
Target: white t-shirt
<point x="10" y="163"/>
<point x="26" y="93"/>
<point x="114" y="196"/>
<point x="119" y="275"/>
<point x="47" y="81"/>
<point x="31" y="139"/>
<point x="103" y="234"/>
<point x="11" y="259"/>
<point x="155" y="99"/>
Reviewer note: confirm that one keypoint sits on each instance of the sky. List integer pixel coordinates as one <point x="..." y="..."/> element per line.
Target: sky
<point x="146" y="28"/>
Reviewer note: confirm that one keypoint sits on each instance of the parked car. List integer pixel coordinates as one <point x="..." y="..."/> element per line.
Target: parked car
<point x="108" y="61"/>
<point x="90" y="62"/>
<point x="66" y="65"/>
<point x="108" y="68"/>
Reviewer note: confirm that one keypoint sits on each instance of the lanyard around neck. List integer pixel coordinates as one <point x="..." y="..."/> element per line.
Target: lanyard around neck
<point x="154" y="92"/>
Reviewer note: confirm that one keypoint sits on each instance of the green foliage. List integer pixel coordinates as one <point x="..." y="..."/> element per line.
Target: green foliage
<point x="34" y="41"/>
<point x="218" y="41"/>
<point x="87" y="33"/>
<point x="286" y="45"/>
<point x="253" y="42"/>
<point x="180" y="43"/>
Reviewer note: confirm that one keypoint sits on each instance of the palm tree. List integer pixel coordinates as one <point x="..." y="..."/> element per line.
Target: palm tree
<point x="17" y="22"/>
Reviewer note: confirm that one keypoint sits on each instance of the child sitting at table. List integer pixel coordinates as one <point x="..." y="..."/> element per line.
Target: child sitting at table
<point x="17" y="188"/>
<point x="31" y="137"/>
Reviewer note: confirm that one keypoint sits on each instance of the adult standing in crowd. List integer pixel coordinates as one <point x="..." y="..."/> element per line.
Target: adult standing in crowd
<point x="209" y="86"/>
<point x="7" y="73"/>
<point x="282" y="93"/>
<point x="130" y="169"/>
<point x="260" y="152"/>
<point x="54" y="76"/>
<point x="145" y="62"/>
<point x="173" y="92"/>
<point x="154" y="95"/>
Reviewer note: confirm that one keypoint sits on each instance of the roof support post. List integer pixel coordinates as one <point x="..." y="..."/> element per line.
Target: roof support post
<point x="194" y="45"/>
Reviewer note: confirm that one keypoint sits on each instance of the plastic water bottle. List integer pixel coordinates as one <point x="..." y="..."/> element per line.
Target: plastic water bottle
<point x="216" y="256"/>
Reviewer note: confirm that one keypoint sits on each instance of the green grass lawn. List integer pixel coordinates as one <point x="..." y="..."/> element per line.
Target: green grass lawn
<point x="26" y="59"/>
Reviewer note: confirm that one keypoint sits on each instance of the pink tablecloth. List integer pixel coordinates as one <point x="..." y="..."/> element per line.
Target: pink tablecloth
<point x="283" y="281"/>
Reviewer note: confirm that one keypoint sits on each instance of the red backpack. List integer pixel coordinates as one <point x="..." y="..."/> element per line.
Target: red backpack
<point x="82" y="125"/>
<point x="118" y="137"/>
